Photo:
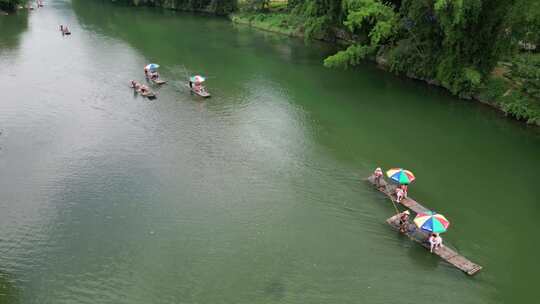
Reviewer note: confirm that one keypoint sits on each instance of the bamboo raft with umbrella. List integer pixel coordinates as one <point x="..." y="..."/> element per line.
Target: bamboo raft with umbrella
<point x="195" y="84"/>
<point x="417" y="232"/>
<point x="152" y="75"/>
<point x="444" y="252"/>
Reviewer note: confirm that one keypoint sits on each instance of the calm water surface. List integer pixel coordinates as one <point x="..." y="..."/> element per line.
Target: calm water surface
<point x="252" y="196"/>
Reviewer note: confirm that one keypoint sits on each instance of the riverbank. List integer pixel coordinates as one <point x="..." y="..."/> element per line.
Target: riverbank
<point x="503" y="90"/>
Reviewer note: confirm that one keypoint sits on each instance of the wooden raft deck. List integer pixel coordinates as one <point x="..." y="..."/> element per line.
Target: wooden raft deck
<point x="389" y="190"/>
<point x="444" y="252"/>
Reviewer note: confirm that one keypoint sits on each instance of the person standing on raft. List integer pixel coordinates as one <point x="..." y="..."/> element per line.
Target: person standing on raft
<point x="377" y="175"/>
<point x="399" y="194"/>
<point x="435" y="241"/>
<point x="405" y="189"/>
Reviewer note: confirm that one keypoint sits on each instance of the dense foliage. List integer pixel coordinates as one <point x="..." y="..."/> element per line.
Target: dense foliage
<point x="524" y="23"/>
<point x="525" y="72"/>
<point x="456" y="43"/>
<point x="9" y="5"/>
<point x="372" y="17"/>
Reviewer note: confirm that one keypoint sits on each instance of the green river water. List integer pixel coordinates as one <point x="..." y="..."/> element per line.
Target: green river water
<point x="252" y="196"/>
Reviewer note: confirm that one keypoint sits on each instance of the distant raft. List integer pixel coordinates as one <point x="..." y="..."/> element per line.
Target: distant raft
<point x="196" y="87"/>
<point x="142" y="89"/>
<point x="201" y="93"/>
<point x="152" y="75"/>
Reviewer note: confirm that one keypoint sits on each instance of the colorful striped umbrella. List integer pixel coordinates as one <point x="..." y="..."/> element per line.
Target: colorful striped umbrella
<point x="197" y="79"/>
<point x="152" y="66"/>
<point x="432" y="222"/>
<point x="400" y="175"/>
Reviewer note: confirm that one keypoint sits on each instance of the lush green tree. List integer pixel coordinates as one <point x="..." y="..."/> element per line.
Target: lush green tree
<point x="524" y="24"/>
<point x="418" y="48"/>
<point x="319" y="16"/>
<point x="525" y="72"/>
<point x="377" y="19"/>
<point x="473" y="40"/>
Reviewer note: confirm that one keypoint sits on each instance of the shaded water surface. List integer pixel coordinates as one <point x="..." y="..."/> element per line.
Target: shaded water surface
<point x="252" y="196"/>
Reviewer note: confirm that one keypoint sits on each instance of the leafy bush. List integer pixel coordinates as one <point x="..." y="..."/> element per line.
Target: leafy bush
<point x="373" y="17"/>
<point x="519" y="106"/>
<point x="493" y="89"/>
<point x="526" y="72"/>
<point x="349" y="57"/>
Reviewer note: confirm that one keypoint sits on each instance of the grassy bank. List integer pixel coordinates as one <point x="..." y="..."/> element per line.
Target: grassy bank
<point x="276" y="22"/>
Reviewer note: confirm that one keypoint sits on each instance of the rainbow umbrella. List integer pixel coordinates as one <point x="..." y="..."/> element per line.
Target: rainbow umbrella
<point x="400" y="175"/>
<point x="197" y="79"/>
<point x="152" y="66"/>
<point x="432" y="222"/>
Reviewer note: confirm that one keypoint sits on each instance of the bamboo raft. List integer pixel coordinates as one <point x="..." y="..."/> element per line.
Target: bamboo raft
<point x="203" y="94"/>
<point x="157" y="81"/>
<point x="420" y="236"/>
<point x="444" y="252"/>
<point x="149" y="94"/>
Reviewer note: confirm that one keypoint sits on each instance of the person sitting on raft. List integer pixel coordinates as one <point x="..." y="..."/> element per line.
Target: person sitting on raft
<point x="404" y="221"/>
<point x="399" y="194"/>
<point x="435" y="241"/>
<point x="377" y="175"/>
<point x="197" y="87"/>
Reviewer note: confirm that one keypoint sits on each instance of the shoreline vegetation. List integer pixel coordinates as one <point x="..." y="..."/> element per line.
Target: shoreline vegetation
<point x="480" y="50"/>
